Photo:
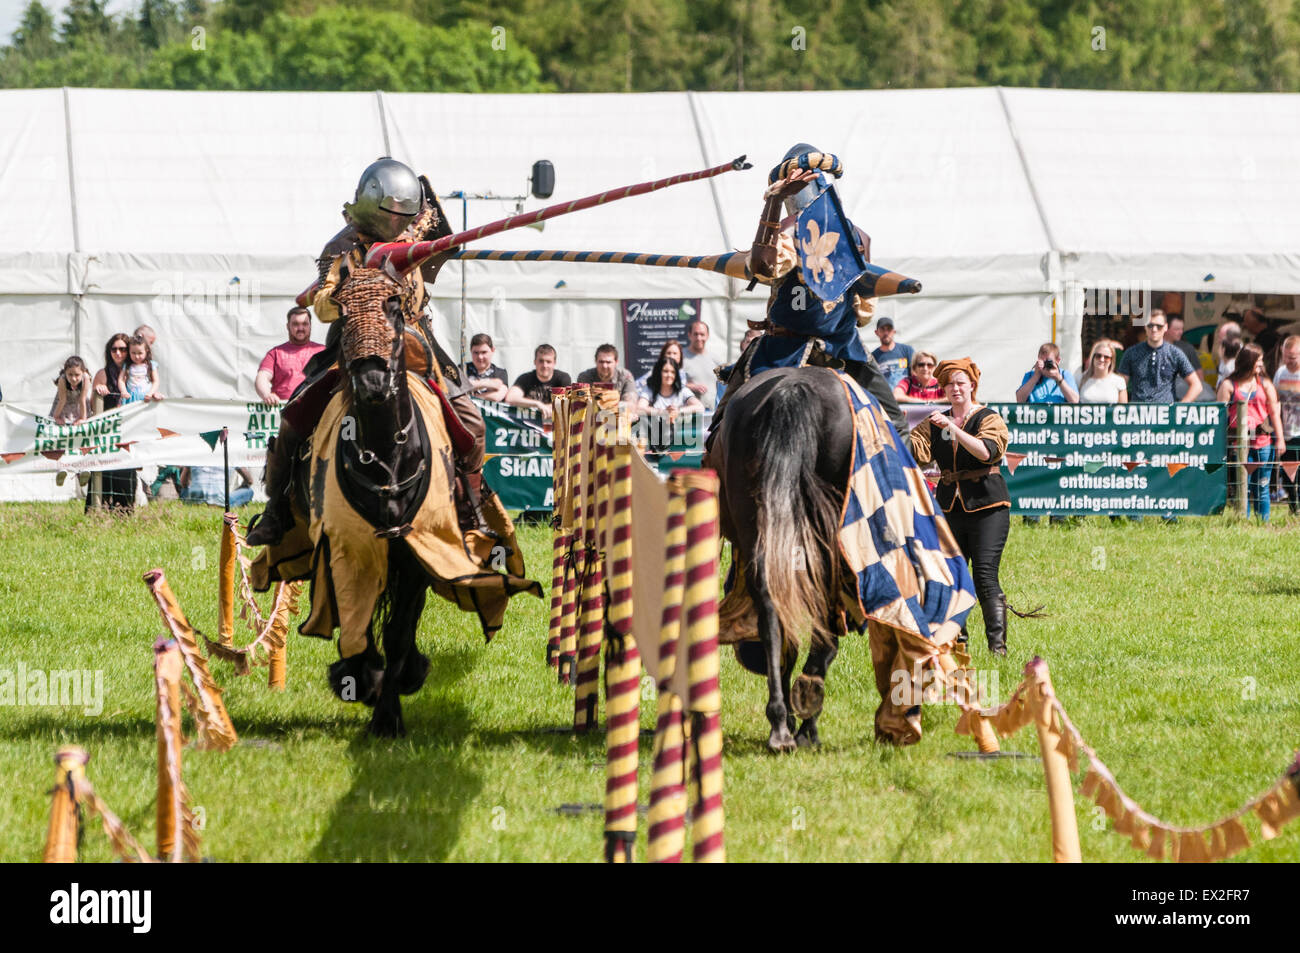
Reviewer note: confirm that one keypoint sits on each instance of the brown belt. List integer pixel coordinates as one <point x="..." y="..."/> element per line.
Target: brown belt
<point x="772" y="330"/>
<point x="955" y="476"/>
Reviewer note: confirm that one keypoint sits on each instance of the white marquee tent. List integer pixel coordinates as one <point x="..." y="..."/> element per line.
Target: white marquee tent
<point x="201" y="213"/>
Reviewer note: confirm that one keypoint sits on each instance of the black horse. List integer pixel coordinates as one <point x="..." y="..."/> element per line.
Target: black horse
<point x="382" y="464"/>
<point x="783" y="456"/>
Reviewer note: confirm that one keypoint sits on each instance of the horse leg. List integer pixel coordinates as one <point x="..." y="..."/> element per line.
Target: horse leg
<point x="810" y="689"/>
<point x="407" y="667"/>
<point x="359" y="678"/>
<point x="769" y="631"/>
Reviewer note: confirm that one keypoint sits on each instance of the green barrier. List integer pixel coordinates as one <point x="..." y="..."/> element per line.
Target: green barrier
<point x="1118" y="459"/>
<point x="519" y="446"/>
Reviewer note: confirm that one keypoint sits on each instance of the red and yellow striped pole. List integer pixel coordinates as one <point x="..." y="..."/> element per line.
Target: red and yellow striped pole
<point x="226" y="581"/>
<point x="586" y="696"/>
<point x="622" y="667"/>
<point x="667" y="836"/>
<point x="64" y="833"/>
<point x="560" y="537"/>
<point x="575" y="565"/>
<point x="700" y="621"/>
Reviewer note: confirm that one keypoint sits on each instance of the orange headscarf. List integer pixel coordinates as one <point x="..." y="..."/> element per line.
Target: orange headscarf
<point x="946" y="369"/>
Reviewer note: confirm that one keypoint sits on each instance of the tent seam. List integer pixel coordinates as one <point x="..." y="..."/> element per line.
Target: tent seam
<point x="732" y="286"/>
<point x="1024" y="167"/>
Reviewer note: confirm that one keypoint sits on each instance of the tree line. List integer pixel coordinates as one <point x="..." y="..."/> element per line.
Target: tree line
<point x="655" y="45"/>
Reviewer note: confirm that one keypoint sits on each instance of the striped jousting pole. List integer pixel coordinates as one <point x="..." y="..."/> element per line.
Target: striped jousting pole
<point x="407" y="255"/>
<point x="559" y="528"/>
<point x="622" y="666"/>
<point x="667" y="836"/>
<point x="700" y="629"/>
<point x="875" y="281"/>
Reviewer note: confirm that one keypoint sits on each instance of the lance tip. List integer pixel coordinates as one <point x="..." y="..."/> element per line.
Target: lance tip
<point x="739" y="163"/>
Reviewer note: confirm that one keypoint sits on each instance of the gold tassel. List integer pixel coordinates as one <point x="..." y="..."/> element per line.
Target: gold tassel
<point x="1218" y="849"/>
<point x="1124" y="823"/>
<point x="1157" y="849"/>
<point x="1090" y="782"/>
<point x="1269" y="812"/>
<point x="1141" y="836"/>
<point x="1235" y="839"/>
<point x="1191" y="848"/>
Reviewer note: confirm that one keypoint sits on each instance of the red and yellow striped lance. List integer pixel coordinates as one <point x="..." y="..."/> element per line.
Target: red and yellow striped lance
<point x="405" y="256"/>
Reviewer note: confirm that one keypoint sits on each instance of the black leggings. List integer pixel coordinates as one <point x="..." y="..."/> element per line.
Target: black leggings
<point x="982" y="536"/>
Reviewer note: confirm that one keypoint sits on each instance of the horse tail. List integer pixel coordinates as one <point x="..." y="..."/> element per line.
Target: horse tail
<point x="797" y="553"/>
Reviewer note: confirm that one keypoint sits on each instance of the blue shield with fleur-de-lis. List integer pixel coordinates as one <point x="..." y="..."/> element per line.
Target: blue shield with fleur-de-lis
<point x="829" y="258"/>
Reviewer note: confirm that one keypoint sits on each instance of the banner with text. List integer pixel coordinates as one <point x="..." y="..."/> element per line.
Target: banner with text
<point x="519" y="460"/>
<point x="1126" y="459"/>
<point x="176" y="432"/>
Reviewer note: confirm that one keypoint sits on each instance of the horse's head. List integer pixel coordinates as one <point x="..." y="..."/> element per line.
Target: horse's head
<point x="372" y="334"/>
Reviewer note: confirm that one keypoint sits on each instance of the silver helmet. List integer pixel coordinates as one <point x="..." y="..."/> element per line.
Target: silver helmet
<point x="388" y="198"/>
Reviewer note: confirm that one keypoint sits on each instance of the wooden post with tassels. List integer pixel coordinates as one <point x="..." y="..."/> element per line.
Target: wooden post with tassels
<point x="226" y="581"/>
<point x="167" y="684"/>
<point x="214" y="729"/>
<point x="278" y="653"/>
<point x="64" y="834"/>
<point x="1056" y="765"/>
<point x="954" y="668"/>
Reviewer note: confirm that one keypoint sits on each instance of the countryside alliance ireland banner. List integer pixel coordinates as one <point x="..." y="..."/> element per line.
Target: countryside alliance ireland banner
<point x="175" y="432"/>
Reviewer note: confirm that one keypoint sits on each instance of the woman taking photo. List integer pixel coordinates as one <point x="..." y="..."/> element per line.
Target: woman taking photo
<point x="1100" y="384"/>
<point x="920" y="386"/>
<point x="968" y="444"/>
<point x="1249" y="382"/>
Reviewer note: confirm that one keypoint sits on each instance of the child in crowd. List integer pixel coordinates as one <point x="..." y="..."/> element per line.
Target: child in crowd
<point x="72" y="400"/>
<point x="140" y="382"/>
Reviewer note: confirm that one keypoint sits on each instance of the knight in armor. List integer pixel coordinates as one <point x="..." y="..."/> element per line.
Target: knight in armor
<point x="800" y="328"/>
<point x="391" y="204"/>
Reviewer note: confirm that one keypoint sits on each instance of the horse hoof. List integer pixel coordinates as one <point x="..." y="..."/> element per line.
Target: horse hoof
<point x="807" y="736"/>
<point x="414" y="672"/>
<point x="807" y="696"/>
<point x="352" y="680"/>
<point x="781" y="742"/>
<point x="387" y="726"/>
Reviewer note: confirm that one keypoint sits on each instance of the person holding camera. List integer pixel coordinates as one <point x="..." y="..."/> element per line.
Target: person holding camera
<point x="1047" y="382"/>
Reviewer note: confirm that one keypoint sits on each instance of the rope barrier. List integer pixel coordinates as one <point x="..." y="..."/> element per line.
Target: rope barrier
<point x="1035" y="701"/>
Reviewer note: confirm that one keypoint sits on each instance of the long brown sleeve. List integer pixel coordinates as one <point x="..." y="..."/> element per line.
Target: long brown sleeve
<point x="993" y="431"/>
<point x="918" y="441"/>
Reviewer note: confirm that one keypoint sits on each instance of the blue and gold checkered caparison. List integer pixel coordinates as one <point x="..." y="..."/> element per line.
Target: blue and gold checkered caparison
<point x="910" y="572"/>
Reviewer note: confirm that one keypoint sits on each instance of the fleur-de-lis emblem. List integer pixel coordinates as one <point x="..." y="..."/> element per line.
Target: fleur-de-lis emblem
<point x="817" y="251"/>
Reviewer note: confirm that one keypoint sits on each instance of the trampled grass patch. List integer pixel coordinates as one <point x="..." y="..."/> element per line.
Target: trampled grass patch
<point x="1171" y="647"/>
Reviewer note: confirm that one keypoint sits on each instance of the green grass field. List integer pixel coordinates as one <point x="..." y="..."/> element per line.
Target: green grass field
<point x="1171" y="647"/>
